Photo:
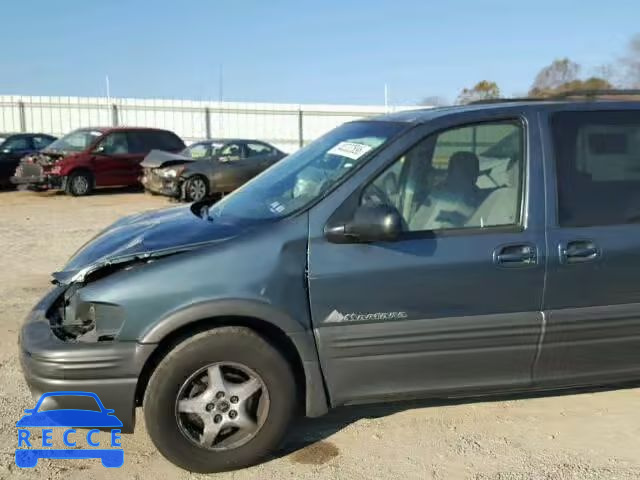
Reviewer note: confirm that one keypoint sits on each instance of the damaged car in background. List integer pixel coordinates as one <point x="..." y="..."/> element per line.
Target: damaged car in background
<point x="89" y="158"/>
<point x="14" y="147"/>
<point x="207" y="169"/>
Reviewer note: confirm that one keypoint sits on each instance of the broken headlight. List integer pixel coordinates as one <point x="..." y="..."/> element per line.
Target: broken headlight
<point x="74" y="319"/>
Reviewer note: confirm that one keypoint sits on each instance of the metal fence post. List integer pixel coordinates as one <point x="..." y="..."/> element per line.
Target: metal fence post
<point x="300" y="129"/>
<point x="207" y="121"/>
<point x="23" y="116"/>
<point x="114" y="115"/>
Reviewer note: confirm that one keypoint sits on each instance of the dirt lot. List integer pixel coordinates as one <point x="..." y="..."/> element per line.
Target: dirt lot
<point x="580" y="436"/>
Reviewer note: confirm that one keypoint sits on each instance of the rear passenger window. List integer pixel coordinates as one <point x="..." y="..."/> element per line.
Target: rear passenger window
<point x="467" y="177"/>
<point x="168" y="141"/>
<point x="159" y="140"/>
<point x="598" y="167"/>
<point x="258" y="149"/>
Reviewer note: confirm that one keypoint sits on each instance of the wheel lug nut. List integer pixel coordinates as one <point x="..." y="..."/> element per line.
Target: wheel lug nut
<point x="210" y="406"/>
<point x="219" y="395"/>
<point x="217" y="418"/>
<point x="233" y="414"/>
<point x="234" y="399"/>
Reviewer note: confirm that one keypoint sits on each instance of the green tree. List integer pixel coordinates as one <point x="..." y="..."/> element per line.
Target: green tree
<point x="483" y="90"/>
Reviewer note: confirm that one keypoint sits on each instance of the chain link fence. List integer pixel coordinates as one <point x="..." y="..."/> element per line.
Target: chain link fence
<point x="287" y="126"/>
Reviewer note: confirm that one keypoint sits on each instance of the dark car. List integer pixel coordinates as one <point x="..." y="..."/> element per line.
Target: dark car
<point x="14" y="147"/>
<point x="93" y="157"/>
<point x="447" y="252"/>
<point x="207" y="169"/>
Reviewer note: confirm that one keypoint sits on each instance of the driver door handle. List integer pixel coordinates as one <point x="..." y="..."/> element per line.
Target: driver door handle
<point x="519" y="255"/>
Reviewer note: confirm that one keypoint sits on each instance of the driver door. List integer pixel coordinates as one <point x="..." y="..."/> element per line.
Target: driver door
<point x="112" y="160"/>
<point x="234" y="167"/>
<point x="448" y="307"/>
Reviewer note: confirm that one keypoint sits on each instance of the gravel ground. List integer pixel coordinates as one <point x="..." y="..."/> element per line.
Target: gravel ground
<point x="578" y="436"/>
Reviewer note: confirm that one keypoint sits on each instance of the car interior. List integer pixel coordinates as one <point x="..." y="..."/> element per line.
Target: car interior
<point x="597" y="162"/>
<point x="474" y="190"/>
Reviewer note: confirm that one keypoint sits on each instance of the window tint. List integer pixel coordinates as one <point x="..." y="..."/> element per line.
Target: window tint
<point x="115" y="144"/>
<point x="39" y="142"/>
<point x="257" y="149"/>
<point x="460" y="178"/>
<point x="16" y="144"/>
<point x="598" y="167"/>
<point x="148" y="140"/>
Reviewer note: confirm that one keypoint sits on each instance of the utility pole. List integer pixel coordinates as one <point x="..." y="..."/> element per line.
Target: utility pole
<point x="220" y="97"/>
<point x="386" y="97"/>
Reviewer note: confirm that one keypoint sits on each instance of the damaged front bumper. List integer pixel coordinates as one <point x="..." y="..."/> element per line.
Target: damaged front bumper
<point x="109" y="368"/>
<point x="33" y="176"/>
<point x="153" y="182"/>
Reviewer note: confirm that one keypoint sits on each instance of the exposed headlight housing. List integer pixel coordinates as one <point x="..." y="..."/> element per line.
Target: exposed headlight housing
<point x="171" y="172"/>
<point x="73" y="319"/>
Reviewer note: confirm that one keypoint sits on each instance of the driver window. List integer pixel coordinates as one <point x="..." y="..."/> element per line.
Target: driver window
<point x="115" y="144"/>
<point x="16" y="144"/>
<point x="231" y="150"/>
<point x="466" y="177"/>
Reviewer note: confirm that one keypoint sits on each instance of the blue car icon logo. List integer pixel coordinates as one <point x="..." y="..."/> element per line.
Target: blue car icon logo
<point x="70" y="418"/>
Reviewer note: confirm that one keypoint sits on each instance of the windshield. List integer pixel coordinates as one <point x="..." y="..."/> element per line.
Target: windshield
<point x="301" y="178"/>
<point x="76" y="141"/>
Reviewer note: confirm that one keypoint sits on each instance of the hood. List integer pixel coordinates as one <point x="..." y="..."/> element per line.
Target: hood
<point x="160" y="158"/>
<point x="146" y="235"/>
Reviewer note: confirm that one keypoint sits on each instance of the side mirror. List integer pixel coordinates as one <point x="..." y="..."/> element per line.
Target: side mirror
<point x="100" y="150"/>
<point x="378" y="223"/>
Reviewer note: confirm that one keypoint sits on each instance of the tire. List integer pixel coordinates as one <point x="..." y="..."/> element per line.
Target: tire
<point x="196" y="188"/>
<point x="178" y="432"/>
<point x="79" y="184"/>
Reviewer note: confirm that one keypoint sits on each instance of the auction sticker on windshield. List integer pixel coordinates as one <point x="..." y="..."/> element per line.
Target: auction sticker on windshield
<point x="350" y="150"/>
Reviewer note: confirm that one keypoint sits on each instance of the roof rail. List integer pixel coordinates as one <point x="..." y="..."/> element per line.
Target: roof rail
<point x="596" y="93"/>
<point x="586" y="94"/>
<point x="502" y="100"/>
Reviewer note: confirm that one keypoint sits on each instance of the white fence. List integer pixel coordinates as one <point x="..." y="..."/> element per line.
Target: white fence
<point x="288" y="126"/>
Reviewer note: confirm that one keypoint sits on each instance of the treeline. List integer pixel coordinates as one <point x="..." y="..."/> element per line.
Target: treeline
<point x="564" y="75"/>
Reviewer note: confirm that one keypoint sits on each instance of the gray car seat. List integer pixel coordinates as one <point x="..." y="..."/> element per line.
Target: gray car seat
<point x="454" y="202"/>
<point x="501" y="206"/>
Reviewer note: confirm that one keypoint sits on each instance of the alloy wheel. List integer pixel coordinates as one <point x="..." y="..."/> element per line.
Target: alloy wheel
<point x="80" y="184"/>
<point x="222" y="406"/>
<point x="197" y="189"/>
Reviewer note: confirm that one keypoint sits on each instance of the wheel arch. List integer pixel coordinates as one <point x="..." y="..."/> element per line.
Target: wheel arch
<point x="298" y="347"/>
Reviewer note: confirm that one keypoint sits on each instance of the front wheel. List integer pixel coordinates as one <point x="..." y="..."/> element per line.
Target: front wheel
<point x="220" y="400"/>
<point x="196" y="189"/>
<point x="79" y="184"/>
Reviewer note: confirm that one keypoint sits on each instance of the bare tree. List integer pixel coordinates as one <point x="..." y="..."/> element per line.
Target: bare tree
<point x="631" y="63"/>
<point x="434" y="101"/>
<point x="560" y="72"/>
<point x="483" y="90"/>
